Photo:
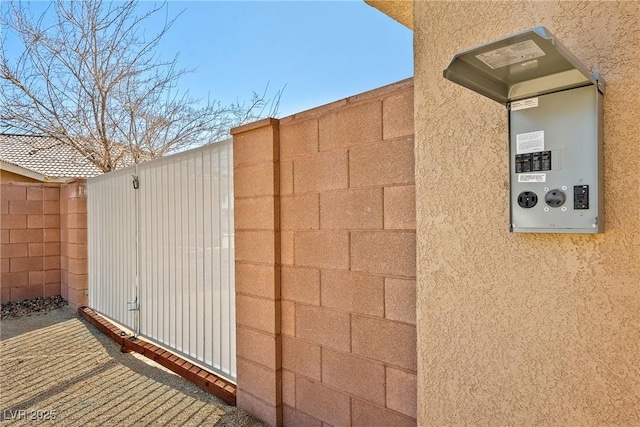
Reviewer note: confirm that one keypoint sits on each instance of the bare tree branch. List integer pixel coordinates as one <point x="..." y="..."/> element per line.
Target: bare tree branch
<point x="93" y="80"/>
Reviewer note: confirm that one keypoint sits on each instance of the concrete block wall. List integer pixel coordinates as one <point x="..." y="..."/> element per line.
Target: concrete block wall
<point x="33" y="233"/>
<point x="73" y="237"/>
<point x="343" y="215"/>
<point x="30" y="250"/>
<point x="257" y="248"/>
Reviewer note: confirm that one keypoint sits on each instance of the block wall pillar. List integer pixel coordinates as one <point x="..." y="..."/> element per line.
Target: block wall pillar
<point x="257" y="240"/>
<point x="73" y="236"/>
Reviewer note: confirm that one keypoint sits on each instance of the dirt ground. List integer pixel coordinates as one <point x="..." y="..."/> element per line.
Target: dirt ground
<point x="56" y="369"/>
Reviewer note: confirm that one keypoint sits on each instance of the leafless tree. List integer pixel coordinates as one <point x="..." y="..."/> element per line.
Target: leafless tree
<point x="92" y="79"/>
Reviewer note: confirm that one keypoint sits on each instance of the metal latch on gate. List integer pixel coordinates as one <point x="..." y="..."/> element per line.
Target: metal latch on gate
<point x="136" y="308"/>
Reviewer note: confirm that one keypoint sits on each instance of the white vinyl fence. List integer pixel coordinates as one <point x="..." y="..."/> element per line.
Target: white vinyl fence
<point x="167" y="250"/>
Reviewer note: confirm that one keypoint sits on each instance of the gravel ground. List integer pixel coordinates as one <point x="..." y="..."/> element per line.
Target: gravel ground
<point x="56" y="365"/>
<point x="31" y="306"/>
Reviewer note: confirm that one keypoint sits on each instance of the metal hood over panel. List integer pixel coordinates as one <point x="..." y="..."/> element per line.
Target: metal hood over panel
<point x="523" y="65"/>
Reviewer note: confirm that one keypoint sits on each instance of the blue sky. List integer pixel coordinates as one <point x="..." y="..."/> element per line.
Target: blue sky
<point x="322" y="51"/>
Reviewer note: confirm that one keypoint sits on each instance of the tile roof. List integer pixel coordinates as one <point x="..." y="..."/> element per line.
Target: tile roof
<point x="45" y="156"/>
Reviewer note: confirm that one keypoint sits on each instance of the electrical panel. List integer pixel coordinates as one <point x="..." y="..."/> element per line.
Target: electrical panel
<point x="554" y="108"/>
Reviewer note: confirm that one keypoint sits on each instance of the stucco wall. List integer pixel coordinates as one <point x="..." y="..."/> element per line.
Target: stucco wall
<point x="523" y="328"/>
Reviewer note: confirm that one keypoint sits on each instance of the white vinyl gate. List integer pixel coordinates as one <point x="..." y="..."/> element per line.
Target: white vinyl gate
<point x="161" y="257"/>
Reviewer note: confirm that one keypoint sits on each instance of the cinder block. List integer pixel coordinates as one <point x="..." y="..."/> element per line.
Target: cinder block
<point x="64" y="218"/>
<point x="322" y="402"/>
<point x="288" y="321"/>
<point x="14" y="221"/>
<point x="322" y="326"/>
<point x="259" y="381"/>
<point x="51" y="207"/>
<point x="13" y="192"/>
<point x="4" y="210"/>
<point x="321" y="172"/>
<point x="4" y="236"/>
<point x="300" y="285"/>
<point x="384" y="252"/>
<point x="64" y="288"/>
<point x="255" y="146"/>
<point x="286" y="178"/>
<point x="298" y="138"/>
<point x="17" y="279"/>
<point x="256" y="280"/>
<point x="26" y="207"/>
<point x="36" y="249"/>
<point x="352" y="209"/>
<point x="354" y="375"/>
<point x="381" y="164"/>
<point x="77" y="189"/>
<point x="77" y="220"/>
<point x="286" y="248"/>
<point x="346" y="127"/>
<point x="301" y="357"/>
<point x="77" y="250"/>
<point x="33" y="221"/>
<point x="300" y="212"/>
<point x="52" y="249"/>
<point x="257" y="313"/>
<point x="19" y="293"/>
<point x="52" y="276"/>
<point x="77" y="281"/>
<point x="367" y="415"/>
<point x="402" y="391"/>
<point x="27" y="264"/>
<point x="76" y="298"/>
<point x="256" y="213"/>
<point x="35" y="193"/>
<point x="14" y="250"/>
<point x="389" y="342"/>
<point x="52" y="193"/>
<point x="268" y="413"/>
<point x="254" y="180"/>
<point x="53" y="263"/>
<point x="400" y="300"/>
<point x="51" y="235"/>
<point x="5" y="265"/>
<point x="77" y="205"/>
<point x="75" y="235"/>
<point x="294" y="418"/>
<point x="77" y="266"/>
<point x="35" y="291"/>
<point x="258" y="347"/>
<point x="256" y="246"/>
<point x="400" y="207"/>
<point x="51" y="289"/>
<point x="397" y="115"/>
<point x="288" y="388"/>
<point x="353" y="292"/>
<point x="324" y="249"/>
<point x="5" y="294"/>
<point x="36" y="278"/>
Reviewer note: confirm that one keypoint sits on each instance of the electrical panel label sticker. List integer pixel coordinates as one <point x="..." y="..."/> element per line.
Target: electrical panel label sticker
<point x="524" y="104"/>
<point x="530" y="142"/>
<point x="509" y="55"/>
<point x="532" y="177"/>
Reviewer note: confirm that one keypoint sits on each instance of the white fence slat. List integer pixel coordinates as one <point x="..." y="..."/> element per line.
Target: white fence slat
<point x="182" y="218"/>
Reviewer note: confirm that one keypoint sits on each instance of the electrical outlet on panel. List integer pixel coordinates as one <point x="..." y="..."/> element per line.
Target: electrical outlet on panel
<point x="580" y="197"/>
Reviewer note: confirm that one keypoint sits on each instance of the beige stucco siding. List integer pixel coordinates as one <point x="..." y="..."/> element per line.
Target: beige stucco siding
<point x="523" y="328"/>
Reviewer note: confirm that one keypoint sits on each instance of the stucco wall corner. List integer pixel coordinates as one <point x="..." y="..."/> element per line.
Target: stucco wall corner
<point x="523" y="328"/>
